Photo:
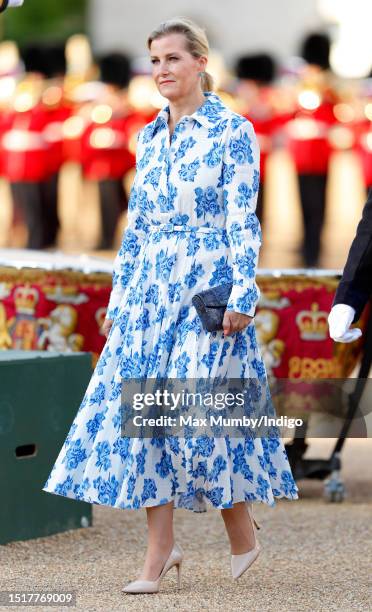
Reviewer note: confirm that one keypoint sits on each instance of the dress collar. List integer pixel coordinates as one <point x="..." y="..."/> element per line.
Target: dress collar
<point x="208" y="114"/>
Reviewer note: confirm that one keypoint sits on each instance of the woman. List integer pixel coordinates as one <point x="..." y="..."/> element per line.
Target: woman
<point x="191" y="226"/>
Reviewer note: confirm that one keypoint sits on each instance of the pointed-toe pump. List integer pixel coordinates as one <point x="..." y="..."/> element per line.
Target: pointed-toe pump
<point x="240" y="563"/>
<point x="152" y="586"/>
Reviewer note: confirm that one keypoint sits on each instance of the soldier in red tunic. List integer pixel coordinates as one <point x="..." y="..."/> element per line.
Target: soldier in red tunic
<point x="255" y="72"/>
<point x="309" y="143"/>
<point x="24" y="149"/>
<point x="106" y="157"/>
<point x="32" y="143"/>
<point x="57" y="109"/>
<point x="259" y="95"/>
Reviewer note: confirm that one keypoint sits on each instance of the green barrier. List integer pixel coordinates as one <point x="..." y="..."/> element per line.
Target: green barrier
<point x="40" y="393"/>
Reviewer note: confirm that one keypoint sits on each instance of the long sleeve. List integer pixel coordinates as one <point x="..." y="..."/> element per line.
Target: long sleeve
<point x="240" y="177"/>
<point x="128" y="256"/>
<point x="355" y="287"/>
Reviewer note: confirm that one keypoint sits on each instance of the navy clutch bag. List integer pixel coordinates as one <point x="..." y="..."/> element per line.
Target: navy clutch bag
<point x="211" y="305"/>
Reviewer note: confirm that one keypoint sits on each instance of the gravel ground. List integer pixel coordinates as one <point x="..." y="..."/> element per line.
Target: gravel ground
<point x="315" y="555"/>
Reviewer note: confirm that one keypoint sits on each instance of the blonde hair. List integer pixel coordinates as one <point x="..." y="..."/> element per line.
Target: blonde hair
<point x="196" y="41"/>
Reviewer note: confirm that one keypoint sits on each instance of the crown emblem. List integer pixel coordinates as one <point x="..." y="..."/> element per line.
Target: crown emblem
<point x="25" y="299"/>
<point x="313" y="324"/>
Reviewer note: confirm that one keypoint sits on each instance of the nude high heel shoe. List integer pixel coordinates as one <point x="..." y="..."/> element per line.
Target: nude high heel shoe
<point x="152" y="586"/>
<point x="240" y="563"/>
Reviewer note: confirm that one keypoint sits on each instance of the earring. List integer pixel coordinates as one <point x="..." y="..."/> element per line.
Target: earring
<point x="201" y="74"/>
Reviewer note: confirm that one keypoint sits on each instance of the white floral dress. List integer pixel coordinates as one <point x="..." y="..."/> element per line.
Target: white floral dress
<point x="191" y="226"/>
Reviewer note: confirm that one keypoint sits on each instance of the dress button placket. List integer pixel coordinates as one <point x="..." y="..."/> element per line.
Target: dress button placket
<point x="169" y="157"/>
<point x="170" y="150"/>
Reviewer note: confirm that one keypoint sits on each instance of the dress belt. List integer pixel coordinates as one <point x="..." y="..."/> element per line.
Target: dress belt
<point x="175" y="227"/>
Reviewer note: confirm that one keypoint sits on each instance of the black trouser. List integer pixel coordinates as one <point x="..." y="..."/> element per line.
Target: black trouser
<point x="27" y="202"/>
<point x="313" y="201"/>
<point x="260" y="202"/>
<point x="50" y="220"/>
<point x="113" y="201"/>
<point x="36" y="204"/>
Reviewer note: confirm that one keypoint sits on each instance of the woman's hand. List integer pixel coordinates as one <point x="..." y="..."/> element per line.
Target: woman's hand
<point x="106" y="327"/>
<point x="234" y="321"/>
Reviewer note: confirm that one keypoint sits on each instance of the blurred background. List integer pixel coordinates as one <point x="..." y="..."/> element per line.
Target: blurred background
<point x="76" y="86"/>
<point x="75" y="89"/>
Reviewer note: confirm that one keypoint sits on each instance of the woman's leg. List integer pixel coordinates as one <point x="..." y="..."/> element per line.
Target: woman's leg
<point x="160" y="540"/>
<point x="239" y="528"/>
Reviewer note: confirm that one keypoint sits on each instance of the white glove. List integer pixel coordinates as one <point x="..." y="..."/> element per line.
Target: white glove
<point x="339" y="321"/>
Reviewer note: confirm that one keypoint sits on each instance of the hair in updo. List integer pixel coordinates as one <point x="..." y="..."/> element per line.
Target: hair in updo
<point x="196" y="41"/>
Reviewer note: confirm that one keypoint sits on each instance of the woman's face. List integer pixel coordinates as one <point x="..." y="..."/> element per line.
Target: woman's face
<point x="174" y="69"/>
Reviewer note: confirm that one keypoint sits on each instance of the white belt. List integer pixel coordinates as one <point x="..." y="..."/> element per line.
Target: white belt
<point x="175" y="227"/>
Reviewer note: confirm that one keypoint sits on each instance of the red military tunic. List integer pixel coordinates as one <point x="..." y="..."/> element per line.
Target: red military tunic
<point x="58" y="111"/>
<point x="308" y="138"/>
<point x="5" y="125"/>
<point x="268" y="121"/>
<point x="108" y="141"/>
<point x="25" y="150"/>
<point x="105" y="152"/>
